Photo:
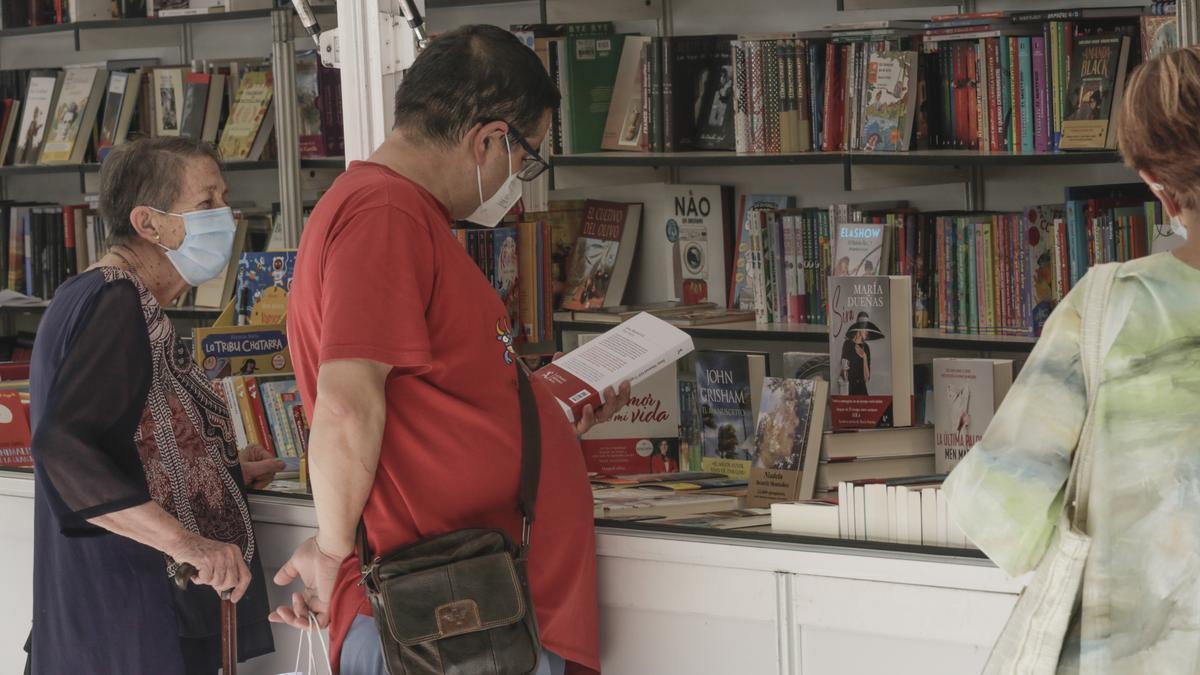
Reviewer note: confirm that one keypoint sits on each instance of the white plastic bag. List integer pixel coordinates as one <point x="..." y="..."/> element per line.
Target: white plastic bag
<point x="308" y="636"/>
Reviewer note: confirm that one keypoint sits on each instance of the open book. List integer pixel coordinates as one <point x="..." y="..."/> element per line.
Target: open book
<point x="631" y="351"/>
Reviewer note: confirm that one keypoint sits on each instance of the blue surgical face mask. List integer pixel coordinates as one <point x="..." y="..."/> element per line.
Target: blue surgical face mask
<point x="207" y="244"/>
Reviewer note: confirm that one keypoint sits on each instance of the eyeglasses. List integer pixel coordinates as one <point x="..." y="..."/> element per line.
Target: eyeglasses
<point x="533" y="165"/>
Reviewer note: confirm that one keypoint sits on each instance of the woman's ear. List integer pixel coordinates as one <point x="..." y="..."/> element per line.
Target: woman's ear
<point x="142" y="219"/>
<point x="1161" y="193"/>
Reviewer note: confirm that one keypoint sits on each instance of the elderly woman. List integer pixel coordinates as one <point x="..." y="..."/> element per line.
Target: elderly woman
<point x="1140" y="605"/>
<point x="136" y="469"/>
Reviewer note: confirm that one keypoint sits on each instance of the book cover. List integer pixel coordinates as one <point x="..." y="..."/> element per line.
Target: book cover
<point x="69" y="116"/>
<point x="728" y="385"/>
<point x="35" y="118"/>
<point x="195" y="104"/>
<point x="1038" y="240"/>
<point x="625" y="128"/>
<point x="308" y="93"/>
<point x="701" y="70"/>
<point x="591" y="64"/>
<point x="715" y="100"/>
<point x="506" y="275"/>
<point x="870" y="340"/>
<point x="329" y="103"/>
<point x="168" y="101"/>
<point x="602" y="256"/>
<point x="257" y="407"/>
<point x="741" y="287"/>
<point x="242" y="350"/>
<point x="263" y="283"/>
<point x="644" y="436"/>
<point x="246" y="115"/>
<point x="629" y="352"/>
<point x="858" y="249"/>
<point x="889" y="101"/>
<point x="16" y="441"/>
<point x="1095" y="74"/>
<point x="787" y="440"/>
<point x="1160" y="34"/>
<point x="967" y="393"/>
<point x="114" y="100"/>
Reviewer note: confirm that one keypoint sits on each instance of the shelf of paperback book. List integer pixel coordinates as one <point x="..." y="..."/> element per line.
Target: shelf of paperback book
<point x="149" y="21"/>
<point x="915" y="157"/>
<point x="189" y="313"/>
<point x="794" y="332"/>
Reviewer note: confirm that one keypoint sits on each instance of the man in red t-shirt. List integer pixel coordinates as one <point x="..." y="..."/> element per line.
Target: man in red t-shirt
<point x="404" y="355"/>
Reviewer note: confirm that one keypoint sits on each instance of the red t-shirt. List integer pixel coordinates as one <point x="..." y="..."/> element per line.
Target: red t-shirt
<point x="380" y="276"/>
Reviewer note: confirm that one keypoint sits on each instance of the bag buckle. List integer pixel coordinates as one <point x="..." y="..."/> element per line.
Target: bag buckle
<point x="526" y="528"/>
<point x="367" y="571"/>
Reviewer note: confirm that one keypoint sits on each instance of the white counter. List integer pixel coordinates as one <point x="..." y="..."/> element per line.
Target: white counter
<point x="680" y="602"/>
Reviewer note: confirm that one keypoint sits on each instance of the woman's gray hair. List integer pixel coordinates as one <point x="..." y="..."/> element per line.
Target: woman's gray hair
<point x="145" y="172"/>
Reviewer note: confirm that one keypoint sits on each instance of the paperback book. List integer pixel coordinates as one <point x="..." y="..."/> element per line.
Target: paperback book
<point x="729" y="385"/>
<point x="967" y="393"/>
<point x="787" y="440"/>
<point x="602" y="256"/>
<point x="870" y="342"/>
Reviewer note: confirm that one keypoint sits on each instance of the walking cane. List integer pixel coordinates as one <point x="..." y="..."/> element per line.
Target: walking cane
<point x="183" y="575"/>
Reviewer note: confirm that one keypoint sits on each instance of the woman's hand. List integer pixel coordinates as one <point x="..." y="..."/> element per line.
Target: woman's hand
<point x="217" y="564"/>
<point x="259" y="466"/>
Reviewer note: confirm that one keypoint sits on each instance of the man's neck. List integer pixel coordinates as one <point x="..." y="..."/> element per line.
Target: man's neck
<point x="422" y="163"/>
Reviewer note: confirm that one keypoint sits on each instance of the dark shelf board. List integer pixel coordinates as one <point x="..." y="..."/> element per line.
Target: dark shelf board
<point x="713" y="158"/>
<point x="149" y="21"/>
<point x="175" y="312"/>
<point x="922" y="337"/>
<point x="440" y="4"/>
<point x="914" y="158"/>
<point x="263" y="165"/>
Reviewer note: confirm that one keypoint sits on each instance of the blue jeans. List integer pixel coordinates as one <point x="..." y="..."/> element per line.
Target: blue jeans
<point x="361" y="654"/>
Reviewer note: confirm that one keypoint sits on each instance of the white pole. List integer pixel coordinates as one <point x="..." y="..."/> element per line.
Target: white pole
<point x="376" y="46"/>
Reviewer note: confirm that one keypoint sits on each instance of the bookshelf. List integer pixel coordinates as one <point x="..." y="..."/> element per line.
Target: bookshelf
<point x="94" y="167"/>
<point x="79" y="26"/>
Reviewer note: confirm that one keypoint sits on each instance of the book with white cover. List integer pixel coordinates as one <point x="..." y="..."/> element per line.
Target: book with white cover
<point x="630" y="352"/>
<point x="966" y="394"/>
<point x="815" y="518"/>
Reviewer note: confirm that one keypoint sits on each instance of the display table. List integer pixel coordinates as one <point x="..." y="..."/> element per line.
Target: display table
<point x="676" y="600"/>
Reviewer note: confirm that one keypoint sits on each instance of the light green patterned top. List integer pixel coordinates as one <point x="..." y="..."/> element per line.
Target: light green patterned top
<point x="1141" y="607"/>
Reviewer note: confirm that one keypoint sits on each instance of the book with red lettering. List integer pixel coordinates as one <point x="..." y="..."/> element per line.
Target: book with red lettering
<point x="631" y="352"/>
<point x="15" y="438"/>
<point x="967" y="393"/>
<point x="871" y="353"/>
<point x="644" y="436"/>
<point x="603" y="255"/>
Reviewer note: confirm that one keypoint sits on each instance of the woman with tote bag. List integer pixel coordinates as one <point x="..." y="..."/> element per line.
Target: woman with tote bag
<point x="1090" y="471"/>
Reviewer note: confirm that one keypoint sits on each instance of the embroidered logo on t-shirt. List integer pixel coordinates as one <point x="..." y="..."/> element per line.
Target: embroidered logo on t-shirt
<point x="505" y="337"/>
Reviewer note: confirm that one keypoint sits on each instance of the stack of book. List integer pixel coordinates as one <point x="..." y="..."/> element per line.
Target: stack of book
<point x="516" y="261"/>
<point x="266" y="412"/>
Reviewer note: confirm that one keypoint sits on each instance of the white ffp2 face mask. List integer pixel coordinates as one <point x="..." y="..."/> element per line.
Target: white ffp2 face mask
<point x="492" y="211"/>
<point x="1178" y="228"/>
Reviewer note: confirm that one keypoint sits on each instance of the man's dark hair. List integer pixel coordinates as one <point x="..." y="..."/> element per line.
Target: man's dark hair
<point x="146" y="172"/>
<point x="472" y="75"/>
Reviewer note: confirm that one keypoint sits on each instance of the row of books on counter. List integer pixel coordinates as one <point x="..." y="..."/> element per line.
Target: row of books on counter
<point x="26" y="13"/>
<point x="1015" y="81"/>
<point x="79" y="113"/>
<point x="678" y="251"/>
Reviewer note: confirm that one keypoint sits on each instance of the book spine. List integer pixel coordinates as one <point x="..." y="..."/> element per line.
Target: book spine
<point x="741" y="120"/>
<point x="273" y="407"/>
<point x="772" y="98"/>
<point x="234" y="412"/>
<point x="761" y="315"/>
<point x="804" y="138"/>
<point x="1026" y="64"/>
<point x="758" y="137"/>
<point x="246" y="411"/>
<point x="670" y="142"/>
<point x="781" y="269"/>
<point x="1041" y="140"/>
<point x="70" y="246"/>
<point x="656" y="98"/>
<point x="254" y="395"/>
<point x="828" y="138"/>
<point x="27" y="230"/>
<point x="816" y="89"/>
<point x="644" y="136"/>
<point x="991" y="73"/>
<point x="979" y="103"/>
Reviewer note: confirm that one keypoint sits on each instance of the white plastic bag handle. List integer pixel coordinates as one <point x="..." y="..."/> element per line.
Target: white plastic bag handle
<point x="307" y="636"/>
